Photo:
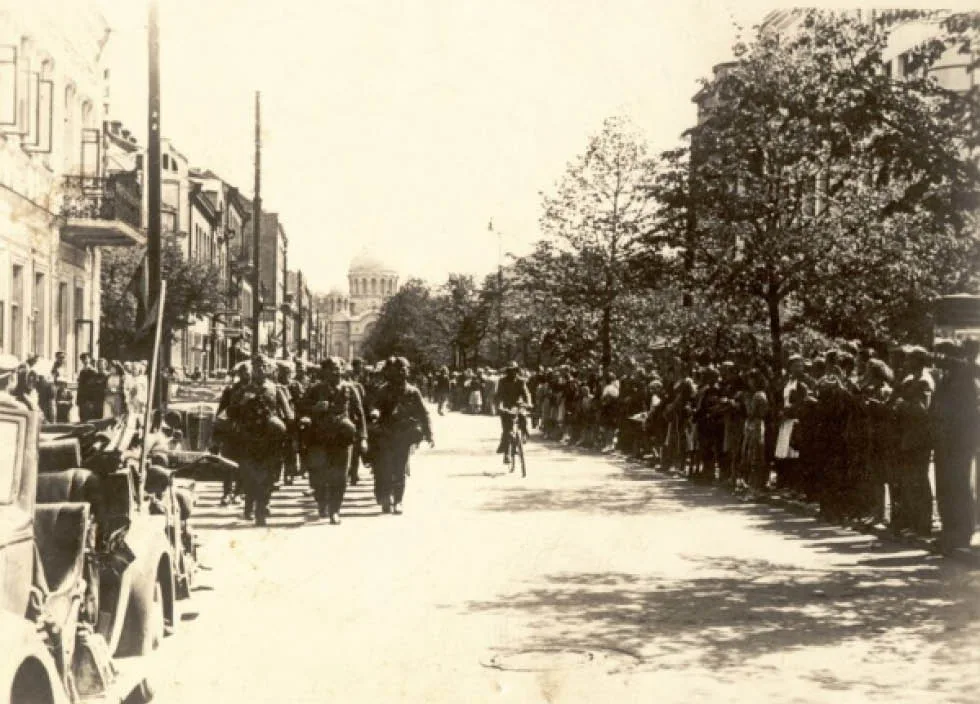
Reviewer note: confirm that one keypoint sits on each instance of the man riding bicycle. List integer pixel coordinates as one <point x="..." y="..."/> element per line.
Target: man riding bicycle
<point x="512" y="394"/>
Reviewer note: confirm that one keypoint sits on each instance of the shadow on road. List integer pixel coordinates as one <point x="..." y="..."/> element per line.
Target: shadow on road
<point x="751" y="608"/>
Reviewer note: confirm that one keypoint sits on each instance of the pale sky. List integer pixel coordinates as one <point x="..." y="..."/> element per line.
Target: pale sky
<point x="404" y="126"/>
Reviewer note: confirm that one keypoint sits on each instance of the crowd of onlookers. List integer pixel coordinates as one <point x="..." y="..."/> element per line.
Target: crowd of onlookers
<point x="873" y="436"/>
<point x="101" y="389"/>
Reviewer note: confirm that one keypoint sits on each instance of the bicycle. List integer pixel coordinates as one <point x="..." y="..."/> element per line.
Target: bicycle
<point x="515" y="441"/>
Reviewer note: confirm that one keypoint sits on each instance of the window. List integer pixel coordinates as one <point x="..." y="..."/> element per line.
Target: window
<point x="38" y="318"/>
<point x="79" y="307"/>
<point x="71" y="134"/>
<point x="17" y="310"/>
<point x="62" y="313"/>
<point x="87" y="113"/>
<point x="166" y="161"/>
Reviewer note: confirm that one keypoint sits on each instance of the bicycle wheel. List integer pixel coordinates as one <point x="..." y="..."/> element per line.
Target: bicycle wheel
<point x="519" y="452"/>
<point x="512" y="447"/>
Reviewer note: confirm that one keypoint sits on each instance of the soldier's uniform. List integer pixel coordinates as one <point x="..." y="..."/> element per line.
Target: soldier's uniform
<point x="262" y="413"/>
<point x="355" y="455"/>
<point x="334" y="411"/>
<point x="403" y="422"/>
<point x="297" y="390"/>
<point x="228" y="436"/>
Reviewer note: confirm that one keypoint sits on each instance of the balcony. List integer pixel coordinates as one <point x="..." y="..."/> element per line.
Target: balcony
<point x="241" y="266"/>
<point x="101" y="211"/>
<point x="288" y="306"/>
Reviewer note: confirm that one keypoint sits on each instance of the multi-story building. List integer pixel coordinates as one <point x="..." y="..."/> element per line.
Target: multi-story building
<point x="278" y="302"/>
<point x="58" y="207"/>
<point x="302" y="330"/>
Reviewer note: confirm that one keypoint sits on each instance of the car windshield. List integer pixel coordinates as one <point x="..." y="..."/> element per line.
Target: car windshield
<point x="9" y="453"/>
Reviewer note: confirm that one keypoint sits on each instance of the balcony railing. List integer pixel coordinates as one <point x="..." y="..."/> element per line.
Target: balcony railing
<point x="115" y="197"/>
<point x="101" y="210"/>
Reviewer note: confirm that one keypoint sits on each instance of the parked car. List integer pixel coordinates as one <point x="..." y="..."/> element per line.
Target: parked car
<point x="55" y="606"/>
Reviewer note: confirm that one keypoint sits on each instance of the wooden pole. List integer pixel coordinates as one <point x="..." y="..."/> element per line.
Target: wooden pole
<point x="153" y="185"/>
<point x="152" y="381"/>
<point x="257" y="228"/>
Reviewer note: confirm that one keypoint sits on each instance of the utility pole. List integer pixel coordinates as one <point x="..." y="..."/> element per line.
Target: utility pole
<point x="298" y="336"/>
<point x="500" y="296"/>
<point x="256" y="228"/>
<point x="153" y="189"/>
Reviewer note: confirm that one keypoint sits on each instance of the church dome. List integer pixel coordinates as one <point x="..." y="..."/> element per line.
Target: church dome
<point x="367" y="262"/>
<point x="337" y="292"/>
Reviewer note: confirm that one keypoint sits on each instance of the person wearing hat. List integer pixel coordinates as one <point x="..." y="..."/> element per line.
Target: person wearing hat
<point x="354" y="378"/>
<point x="876" y="397"/>
<point x="91" y="390"/>
<point x="262" y="413"/>
<point x="913" y="500"/>
<point x="442" y="389"/>
<point x="8" y="372"/>
<point x="956" y="418"/>
<point x="403" y="422"/>
<point x="333" y="411"/>
<point x="512" y="392"/>
<point x="290" y="461"/>
<point x="227" y="434"/>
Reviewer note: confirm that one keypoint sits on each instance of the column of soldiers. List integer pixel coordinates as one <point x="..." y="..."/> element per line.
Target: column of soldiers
<point x="281" y="425"/>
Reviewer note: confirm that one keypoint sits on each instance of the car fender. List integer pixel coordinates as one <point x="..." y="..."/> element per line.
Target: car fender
<point x="22" y="647"/>
<point x="147" y="540"/>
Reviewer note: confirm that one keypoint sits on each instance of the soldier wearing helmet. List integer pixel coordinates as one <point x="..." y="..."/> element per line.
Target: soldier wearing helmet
<point x="403" y="423"/>
<point x="334" y="414"/>
<point x="263" y="413"/>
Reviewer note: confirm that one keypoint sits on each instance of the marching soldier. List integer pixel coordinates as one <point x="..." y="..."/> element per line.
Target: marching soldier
<point x="403" y="423"/>
<point x="263" y="414"/>
<point x="334" y="414"/>
<point x="290" y="446"/>
<point x="297" y="390"/>
<point x="227" y="433"/>
<point x="356" y="379"/>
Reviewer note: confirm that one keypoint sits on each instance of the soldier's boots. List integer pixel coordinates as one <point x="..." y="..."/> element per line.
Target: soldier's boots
<point x="386" y="505"/>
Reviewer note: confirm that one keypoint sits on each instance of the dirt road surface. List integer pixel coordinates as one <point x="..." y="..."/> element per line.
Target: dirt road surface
<point x="593" y="580"/>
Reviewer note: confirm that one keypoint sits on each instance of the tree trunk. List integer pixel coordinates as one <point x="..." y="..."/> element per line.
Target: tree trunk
<point x="605" y="336"/>
<point x="775" y="333"/>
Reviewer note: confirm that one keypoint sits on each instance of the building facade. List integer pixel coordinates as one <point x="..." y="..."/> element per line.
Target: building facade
<point x="58" y="207"/>
<point x="350" y="316"/>
<point x="278" y="302"/>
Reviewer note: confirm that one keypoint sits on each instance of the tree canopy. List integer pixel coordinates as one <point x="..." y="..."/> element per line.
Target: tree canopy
<point x="194" y="290"/>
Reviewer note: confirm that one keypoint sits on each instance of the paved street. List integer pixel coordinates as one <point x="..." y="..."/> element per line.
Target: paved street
<point x="592" y="580"/>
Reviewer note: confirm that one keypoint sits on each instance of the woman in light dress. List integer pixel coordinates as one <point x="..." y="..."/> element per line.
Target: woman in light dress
<point x="116" y="392"/>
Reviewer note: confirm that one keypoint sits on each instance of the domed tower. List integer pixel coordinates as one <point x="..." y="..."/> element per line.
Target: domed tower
<point x="338" y="303"/>
<point x="372" y="282"/>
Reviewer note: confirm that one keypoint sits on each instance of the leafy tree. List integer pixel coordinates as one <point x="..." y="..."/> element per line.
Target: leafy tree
<point x="194" y="290"/>
<point x="593" y="224"/>
<point x="465" y="317"/>
<point x="409" y="327"/>
<point x="817" y="185"/>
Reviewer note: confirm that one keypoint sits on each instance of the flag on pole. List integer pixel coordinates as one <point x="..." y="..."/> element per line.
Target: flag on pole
<point x="151" y="319"/>
<point x="139" y="286"/>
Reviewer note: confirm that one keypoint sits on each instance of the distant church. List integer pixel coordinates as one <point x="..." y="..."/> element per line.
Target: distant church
<point x="351" y="315"/>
